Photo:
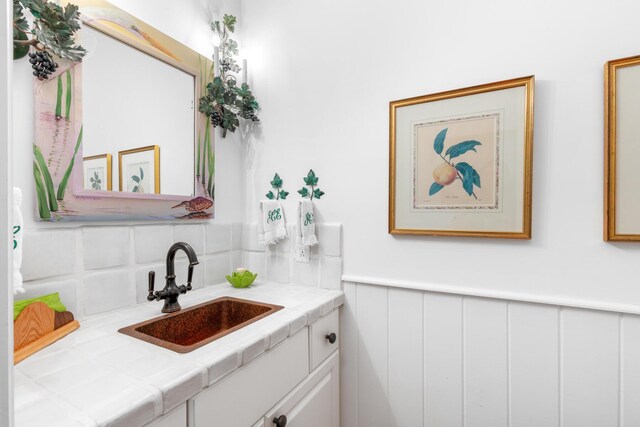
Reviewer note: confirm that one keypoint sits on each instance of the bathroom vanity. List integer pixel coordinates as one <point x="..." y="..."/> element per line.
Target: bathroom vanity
<point x="281" y="370"/>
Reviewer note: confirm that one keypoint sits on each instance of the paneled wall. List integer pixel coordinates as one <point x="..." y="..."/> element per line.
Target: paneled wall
<point x="417" y="358"/>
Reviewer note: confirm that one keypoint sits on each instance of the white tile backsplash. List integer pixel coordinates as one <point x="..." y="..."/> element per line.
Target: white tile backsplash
<point x="250" y="238"/>
<point x="104" y="247"/>
<point x="216" y="267"/>
<point x="305" y="273"/>
<point x="65" y="260"/>
<point x="278" y="268"/>
<point x="152" y="242"/>
<point x="330" y="239"/>
<point x="107" y="291"/>
<point x="256" y="262"/>
<point x="236" y="236"/>
<point x="193" y="234"/>
<point x="48" y="253"/>
<point x="218" y="238"/>
<point x="331" y="272"/>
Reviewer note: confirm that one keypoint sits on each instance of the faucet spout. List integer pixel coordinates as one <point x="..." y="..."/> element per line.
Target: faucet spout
<point x="171" y="256"/>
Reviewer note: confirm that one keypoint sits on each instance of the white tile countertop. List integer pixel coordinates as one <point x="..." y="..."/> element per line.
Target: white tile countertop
<point x="96" y="376"/>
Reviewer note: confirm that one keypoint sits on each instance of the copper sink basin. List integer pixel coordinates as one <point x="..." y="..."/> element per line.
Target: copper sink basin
<point x="196" y="326"/>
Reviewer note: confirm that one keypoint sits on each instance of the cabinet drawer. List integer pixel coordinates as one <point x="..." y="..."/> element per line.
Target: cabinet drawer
<point x="246" y="395"/>
<point x="319" y="346"/>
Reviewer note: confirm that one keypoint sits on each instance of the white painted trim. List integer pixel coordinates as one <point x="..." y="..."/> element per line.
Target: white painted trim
<point x="502" y="295"/>
<point x="6" y="194"/>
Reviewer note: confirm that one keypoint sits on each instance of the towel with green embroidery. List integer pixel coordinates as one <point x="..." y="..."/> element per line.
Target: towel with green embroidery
<point x="306" y="234"/>
<point x="271" y="227"/>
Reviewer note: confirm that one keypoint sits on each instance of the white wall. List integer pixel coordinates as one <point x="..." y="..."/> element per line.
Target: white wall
<point x="326" y="71"/>
<point x="185" y="21"/>
<point x="6" y="222"/>
<point x="413" y="358"/>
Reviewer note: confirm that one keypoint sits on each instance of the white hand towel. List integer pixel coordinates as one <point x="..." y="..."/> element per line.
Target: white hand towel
<point x="17" y="241"/>
<point x="306" y="223"/>
<point x="271" y="226"/>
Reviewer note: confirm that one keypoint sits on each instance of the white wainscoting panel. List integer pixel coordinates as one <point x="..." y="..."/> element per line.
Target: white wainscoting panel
<point x="405" y="357"/>
<point x="427" y="359"/>
<point x="443" y="363"/>
<point x="373" y="356"/>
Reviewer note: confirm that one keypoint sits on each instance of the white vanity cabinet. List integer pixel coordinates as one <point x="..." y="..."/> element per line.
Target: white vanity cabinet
<point x="297" y="380"/>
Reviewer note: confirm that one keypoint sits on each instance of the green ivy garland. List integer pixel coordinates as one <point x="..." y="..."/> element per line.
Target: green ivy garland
<point x="53" y="29"/>
<point x="225" y="102"/>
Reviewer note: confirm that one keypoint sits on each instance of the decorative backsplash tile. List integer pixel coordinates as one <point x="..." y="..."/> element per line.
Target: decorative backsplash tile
<point x="48" y="253"/>
<point x="218" y="237"/>
<point x="105" y="291"/>
<point x="104" y="247"/>
<point x="97" y="269"/>
<point x="151" y="242"/>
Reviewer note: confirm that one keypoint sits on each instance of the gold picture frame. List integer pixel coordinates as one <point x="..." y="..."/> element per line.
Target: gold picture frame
<point x="621" y="95"/>
<point x="91" y="165"/>
<point x="422" y="200"/>
<point x="145" y="158"/>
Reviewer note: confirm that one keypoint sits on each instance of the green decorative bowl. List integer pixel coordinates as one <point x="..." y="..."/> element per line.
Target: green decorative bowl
<point x="241" y="279"/>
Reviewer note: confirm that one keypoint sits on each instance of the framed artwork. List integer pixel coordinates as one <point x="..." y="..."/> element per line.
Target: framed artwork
<point x="139" y="170"/>
<point x="97" y="172"/>
<point x="460" y="162"/>
<point x="622" y="150"/>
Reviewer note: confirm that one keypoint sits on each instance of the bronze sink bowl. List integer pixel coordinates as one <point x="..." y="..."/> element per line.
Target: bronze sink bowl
<point x="190" y="328"/>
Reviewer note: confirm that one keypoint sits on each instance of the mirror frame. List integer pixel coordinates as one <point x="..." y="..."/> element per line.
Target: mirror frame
<point x="59" y="187"/>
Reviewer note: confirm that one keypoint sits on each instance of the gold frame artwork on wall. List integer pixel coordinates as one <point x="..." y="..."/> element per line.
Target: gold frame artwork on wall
<point x="105" y="161"/>
<point x="153" y="159"/>
<point x="460" y="162"/>
<point x="621" y="150"/>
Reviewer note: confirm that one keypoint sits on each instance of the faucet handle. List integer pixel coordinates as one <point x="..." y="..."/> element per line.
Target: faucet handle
<point x="152" y="279"/>
<point x="190" y="276"/>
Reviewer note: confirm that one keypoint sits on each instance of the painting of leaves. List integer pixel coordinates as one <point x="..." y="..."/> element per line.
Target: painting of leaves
<point x="96" y="181"/>
<point x="448" y="172"/>
<point x="457" y="163"/>
<point x="137" y="178"/>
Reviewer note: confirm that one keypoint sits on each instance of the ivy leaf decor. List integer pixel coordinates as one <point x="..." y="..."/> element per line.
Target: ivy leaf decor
<point x="311" y="180"/>
<point x="448" y="172"/>
<point x="226" y="102"/>
<point x="304" y="192"/>
<point x="277" y="193"/>
<point x="53" y="32"/>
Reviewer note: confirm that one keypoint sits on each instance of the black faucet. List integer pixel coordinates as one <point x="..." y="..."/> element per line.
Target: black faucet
<point x="171" y="291"/>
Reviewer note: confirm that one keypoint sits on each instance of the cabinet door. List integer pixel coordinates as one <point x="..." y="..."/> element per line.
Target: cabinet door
<point x="315" y="402"/>
<point x="175" y="418"/>
<point x="244" y="396"/>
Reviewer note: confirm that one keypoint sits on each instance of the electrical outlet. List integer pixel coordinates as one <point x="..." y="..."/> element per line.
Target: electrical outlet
<point x="302" y="253"/>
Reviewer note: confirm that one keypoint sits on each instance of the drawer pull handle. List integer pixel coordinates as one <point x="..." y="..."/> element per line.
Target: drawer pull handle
<point x="331" y="337"/>
<point x="280" y="421"/>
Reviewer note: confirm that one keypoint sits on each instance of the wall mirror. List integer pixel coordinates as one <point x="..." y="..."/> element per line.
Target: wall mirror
<point x="119" y="136"/>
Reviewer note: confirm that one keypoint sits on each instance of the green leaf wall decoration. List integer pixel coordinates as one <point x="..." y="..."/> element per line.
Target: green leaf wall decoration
<point x="311" y="180"/>
<point x="276" y="183"/>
